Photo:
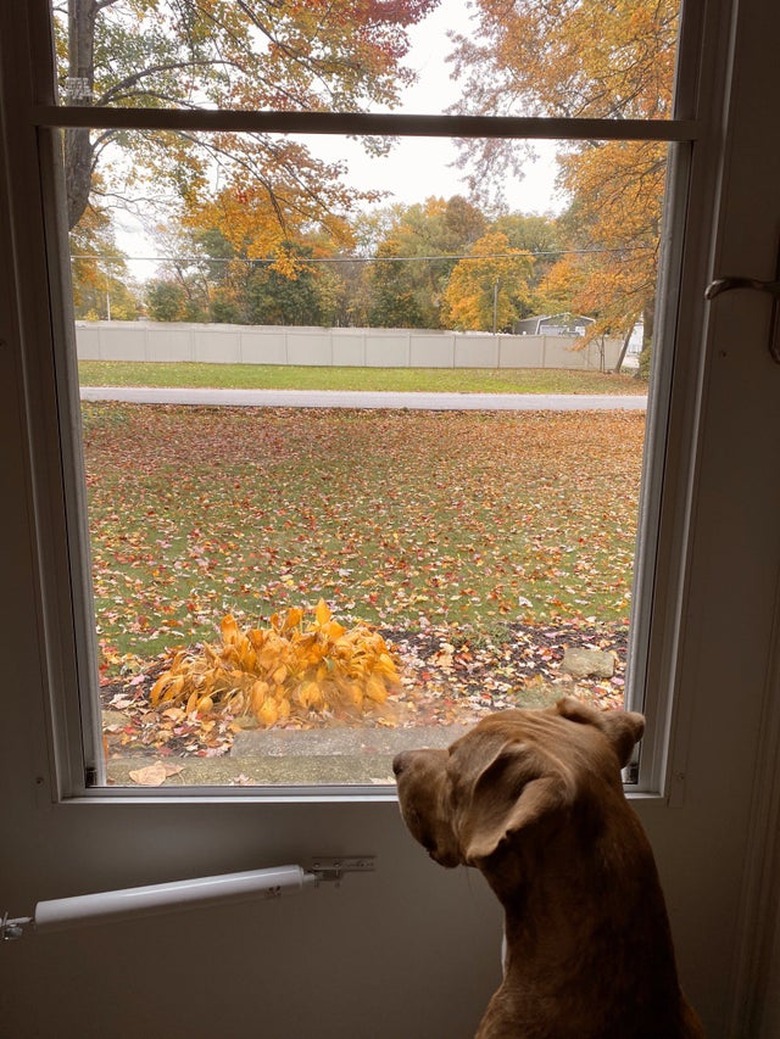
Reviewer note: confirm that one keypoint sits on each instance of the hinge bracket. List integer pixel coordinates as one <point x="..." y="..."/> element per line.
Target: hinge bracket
<point x="333" y="868"/>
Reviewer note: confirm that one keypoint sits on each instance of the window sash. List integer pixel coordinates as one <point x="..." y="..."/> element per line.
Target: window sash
<point x="366" y="123"/>
<point x="660" y="561"/>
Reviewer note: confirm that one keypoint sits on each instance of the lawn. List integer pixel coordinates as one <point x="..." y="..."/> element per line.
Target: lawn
<point x="283" y="377"/>
<point x="405" y="519"/>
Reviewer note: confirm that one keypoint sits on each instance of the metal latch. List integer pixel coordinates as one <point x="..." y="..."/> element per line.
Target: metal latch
<point x="772" y="288"/>
<point x="12" y="930"/>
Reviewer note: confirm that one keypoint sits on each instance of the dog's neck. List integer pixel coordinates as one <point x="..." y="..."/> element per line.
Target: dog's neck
<point x="588" y="931"/>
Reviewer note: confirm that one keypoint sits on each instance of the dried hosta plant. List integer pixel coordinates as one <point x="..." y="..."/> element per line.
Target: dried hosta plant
<point x="291" y="670"/>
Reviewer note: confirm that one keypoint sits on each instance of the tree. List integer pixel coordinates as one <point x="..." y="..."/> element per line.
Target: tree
<point x="207" y="278"/>
<point x="542" y="236"/>
<point x="619" y="192"/>
<point x="490" y="290"/>
<point x="417" y="256"/>
<point x="291" y="298"/>
<point x="166" y="300"/>
<point x="101" y="282"/>
<point x="583" y="58"/>
<point x="561" y="286"/>
<point x="296" y="55"/>
<point x="182" y="290"/>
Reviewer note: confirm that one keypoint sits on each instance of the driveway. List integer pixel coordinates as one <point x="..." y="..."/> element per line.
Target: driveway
<point x="361" y="399"/>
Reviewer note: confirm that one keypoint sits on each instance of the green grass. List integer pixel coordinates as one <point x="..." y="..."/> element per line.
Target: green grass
<point x="284" y="377"/>
<point x="461" y="518"/>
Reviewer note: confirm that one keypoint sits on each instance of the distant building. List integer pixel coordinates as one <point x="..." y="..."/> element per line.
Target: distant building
<point x="553" y="325"/>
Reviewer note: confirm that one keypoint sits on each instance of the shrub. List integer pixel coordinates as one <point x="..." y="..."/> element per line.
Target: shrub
<point x="645" y="360"/>
<point x="290" y="670"/>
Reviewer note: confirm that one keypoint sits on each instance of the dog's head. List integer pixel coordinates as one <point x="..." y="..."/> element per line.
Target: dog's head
<point x="514" y="770"/>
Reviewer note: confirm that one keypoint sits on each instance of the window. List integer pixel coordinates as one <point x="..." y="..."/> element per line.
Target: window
<point x="440" y="599"/>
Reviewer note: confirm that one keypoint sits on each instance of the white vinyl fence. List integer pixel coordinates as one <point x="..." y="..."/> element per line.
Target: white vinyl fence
<point x="349" y="347"/>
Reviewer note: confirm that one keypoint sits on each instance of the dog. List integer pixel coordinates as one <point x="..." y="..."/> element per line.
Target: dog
<point x="534" y="800"/>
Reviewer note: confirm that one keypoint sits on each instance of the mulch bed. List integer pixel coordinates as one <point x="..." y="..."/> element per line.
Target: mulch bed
<point x="448" y="675"/>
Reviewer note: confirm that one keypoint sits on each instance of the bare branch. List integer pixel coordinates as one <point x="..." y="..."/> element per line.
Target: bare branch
<point x="122" y="87"/>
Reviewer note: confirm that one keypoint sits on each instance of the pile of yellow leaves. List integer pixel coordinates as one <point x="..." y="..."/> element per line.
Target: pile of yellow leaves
<point x="286" y="671"/>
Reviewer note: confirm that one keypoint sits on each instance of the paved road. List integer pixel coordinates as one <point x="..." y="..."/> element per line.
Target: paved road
<point x="361" y="399"/>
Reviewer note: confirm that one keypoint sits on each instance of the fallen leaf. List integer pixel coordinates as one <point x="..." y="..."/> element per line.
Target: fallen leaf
<point x="156" y="774"/>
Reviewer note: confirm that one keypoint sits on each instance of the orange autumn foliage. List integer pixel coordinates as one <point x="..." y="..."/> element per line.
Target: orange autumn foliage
<point x="290" y="670"/>
<point x="489" y="286"/>
<point x="582" y="59"/>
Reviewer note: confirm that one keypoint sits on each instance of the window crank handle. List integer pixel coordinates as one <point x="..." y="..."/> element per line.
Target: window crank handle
<point x="715" y="288"/>
<point x="720" y="285"/>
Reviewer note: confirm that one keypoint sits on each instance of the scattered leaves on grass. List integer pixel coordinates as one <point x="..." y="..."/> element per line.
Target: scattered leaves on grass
<point x="456" y="518"/>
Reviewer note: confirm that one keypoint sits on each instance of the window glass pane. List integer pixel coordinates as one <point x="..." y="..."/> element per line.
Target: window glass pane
<point x="579" y="58"/>
<point x="289" y="593"/>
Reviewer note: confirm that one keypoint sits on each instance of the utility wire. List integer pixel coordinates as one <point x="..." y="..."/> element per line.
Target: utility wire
<point x="304" y="260"/>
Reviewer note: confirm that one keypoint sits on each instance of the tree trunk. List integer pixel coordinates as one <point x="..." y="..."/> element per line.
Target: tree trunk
<point x="648" y="317"/>
<point x="624" y="347"/>
<point x="78" y="172"/>
<point x="79" y="86"/>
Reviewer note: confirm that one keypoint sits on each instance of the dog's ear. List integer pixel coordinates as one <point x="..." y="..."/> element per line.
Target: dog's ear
<point x="508" y="796"/>
<point x="623" y="729"/>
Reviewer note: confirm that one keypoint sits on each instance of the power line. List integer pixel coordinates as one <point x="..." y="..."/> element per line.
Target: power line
<point x="367" y="259"/>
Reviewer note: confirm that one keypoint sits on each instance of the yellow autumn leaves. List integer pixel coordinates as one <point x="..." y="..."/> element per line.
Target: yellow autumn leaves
<point x="291" y="670"/>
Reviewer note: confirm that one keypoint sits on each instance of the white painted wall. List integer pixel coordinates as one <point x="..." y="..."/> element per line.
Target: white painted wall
<point x="351" y="347"/>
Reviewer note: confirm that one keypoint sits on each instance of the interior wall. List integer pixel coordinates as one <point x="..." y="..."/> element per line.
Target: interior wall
<point x="411" y="950"/>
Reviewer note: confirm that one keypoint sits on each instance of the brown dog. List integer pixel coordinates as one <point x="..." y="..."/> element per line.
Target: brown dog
<point x="534" y="800"/>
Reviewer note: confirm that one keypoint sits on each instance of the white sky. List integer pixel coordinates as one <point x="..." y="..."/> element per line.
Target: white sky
<point x="417" y="167"/>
